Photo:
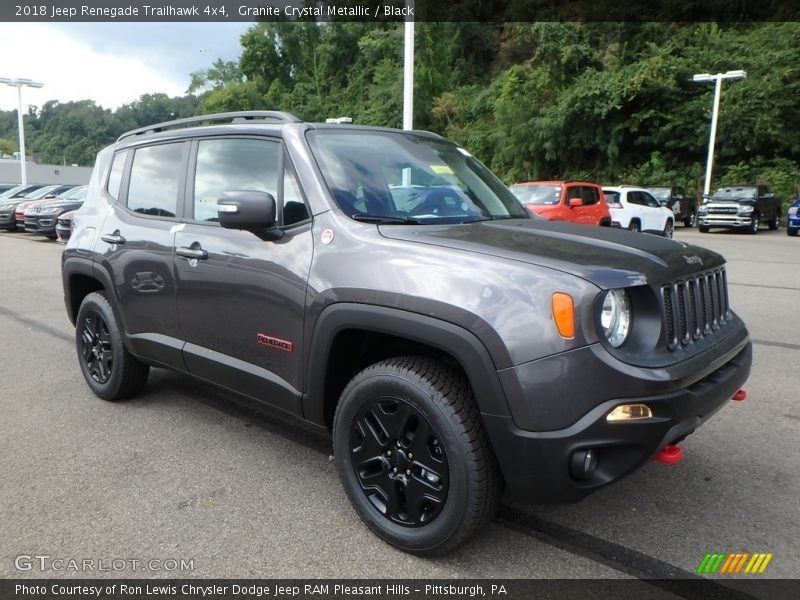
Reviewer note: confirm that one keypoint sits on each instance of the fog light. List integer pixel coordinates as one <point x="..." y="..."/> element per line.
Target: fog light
<point x="583" y="463"/>
<point x="630" y="412"/>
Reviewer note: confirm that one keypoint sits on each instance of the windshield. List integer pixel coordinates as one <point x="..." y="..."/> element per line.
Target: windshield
<point x="73" y="194"/>
<point x="386" y="176"/>
<point x="659" y="192"/>
<point x="13" y="191"/>
<point x="40" y="193"/>
<point x="735" y="192"/>
<point x="537" y="194"/>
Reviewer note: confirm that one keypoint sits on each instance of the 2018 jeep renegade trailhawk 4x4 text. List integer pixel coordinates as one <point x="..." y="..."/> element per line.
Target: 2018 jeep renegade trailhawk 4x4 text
<point x="386" y="286"/>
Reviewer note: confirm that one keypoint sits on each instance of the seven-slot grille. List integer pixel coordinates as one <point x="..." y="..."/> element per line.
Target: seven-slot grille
<point x="695" y="307"/>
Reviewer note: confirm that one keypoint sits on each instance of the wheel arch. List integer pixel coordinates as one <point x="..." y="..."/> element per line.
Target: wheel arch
<point x="81" y="277"/>
<point x="348" y="337"/>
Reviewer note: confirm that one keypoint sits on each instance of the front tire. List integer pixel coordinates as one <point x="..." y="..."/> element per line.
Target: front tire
<point x="669" y="229"/>
<point x="753" y="229"/>
<point x="791" y="232"/>
<point x="109" y="369"/>
<point x="704" y="229"/>
<point x="413" y="456"/>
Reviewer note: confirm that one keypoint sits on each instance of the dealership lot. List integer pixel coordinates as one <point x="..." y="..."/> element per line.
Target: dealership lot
<point x="181" y="473"/>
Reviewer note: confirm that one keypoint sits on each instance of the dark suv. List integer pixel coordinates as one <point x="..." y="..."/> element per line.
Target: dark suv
<point x="386" y="286"/>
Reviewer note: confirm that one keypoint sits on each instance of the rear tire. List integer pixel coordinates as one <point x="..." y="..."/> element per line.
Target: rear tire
<point x="775" y="222"/>
<point x="634" y="225"/>
<point x="413" y="456"/>
<point x="688" y="221"/>
<point x="109" y="369"/>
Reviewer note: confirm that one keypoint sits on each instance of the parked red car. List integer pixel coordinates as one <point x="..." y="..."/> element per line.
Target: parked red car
<point x="41" y="195"/>
<point x="575" y="201"/>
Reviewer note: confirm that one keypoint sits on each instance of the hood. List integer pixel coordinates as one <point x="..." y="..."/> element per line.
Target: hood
<point x="607" y="257"/>
<point x="545" y="210"/>
<point x="65" y="204"/>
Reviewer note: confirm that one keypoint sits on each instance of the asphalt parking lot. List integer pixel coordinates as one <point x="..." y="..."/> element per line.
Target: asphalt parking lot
<point x="184" y="472"/>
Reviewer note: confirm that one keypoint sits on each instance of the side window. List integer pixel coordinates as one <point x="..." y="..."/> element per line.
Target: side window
<point x="635" y="198"/>
<point x="573" y="192"/>
<point x="229" y="165"/>
<point x="650" y="200"/>
<point x="590" y="195"/>
<point x="294" y="208"/>
<point x="154" y="181"/>
<point x="115" y="176"/>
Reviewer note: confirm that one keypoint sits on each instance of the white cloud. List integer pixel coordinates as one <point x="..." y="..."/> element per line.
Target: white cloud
<point x="133" y="59"/>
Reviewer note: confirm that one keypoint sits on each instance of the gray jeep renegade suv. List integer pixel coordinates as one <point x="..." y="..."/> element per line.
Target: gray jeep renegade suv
<point x="384" y="285"/>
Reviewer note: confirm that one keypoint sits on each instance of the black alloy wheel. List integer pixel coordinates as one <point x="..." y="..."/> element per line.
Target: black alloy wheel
<point x="109" y="369"/>
<point x="399" y="461"/>
<point x="95" y="347"/>
<point x="413" y="456"/>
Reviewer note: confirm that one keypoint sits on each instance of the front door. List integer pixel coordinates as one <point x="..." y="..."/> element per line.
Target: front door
<point x="241" y="300"/>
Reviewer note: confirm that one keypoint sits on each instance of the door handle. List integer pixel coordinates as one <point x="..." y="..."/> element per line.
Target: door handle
<point x="113" y="238"/>
<point x="191" y="253"/>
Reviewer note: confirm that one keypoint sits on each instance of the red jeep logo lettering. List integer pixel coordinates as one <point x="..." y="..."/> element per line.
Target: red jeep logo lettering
<point x="273" y="342"/>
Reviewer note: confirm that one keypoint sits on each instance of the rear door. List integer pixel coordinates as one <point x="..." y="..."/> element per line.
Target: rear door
<point x="241" y="300"/>
<point x="144" y="185"/>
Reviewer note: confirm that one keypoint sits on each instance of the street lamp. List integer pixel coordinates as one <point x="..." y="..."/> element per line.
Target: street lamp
<point x="19" y="83"/>
<point x="701" y="77"/>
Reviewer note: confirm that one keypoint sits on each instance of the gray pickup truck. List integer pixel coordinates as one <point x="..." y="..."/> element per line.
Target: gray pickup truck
<point x="740" y="207"/>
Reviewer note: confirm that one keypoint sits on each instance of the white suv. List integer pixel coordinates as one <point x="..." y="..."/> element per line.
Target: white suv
<point x="636" y="209"/>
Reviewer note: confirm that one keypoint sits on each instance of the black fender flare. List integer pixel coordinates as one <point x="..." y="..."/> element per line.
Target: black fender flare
<point x="80" y="265"/>
<point x="456" y="341"/>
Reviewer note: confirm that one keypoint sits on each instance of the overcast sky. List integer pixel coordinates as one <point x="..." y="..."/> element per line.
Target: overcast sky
<point x="110" y="63"/>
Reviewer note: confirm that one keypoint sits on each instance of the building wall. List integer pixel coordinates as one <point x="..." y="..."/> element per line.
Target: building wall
<point x="46" y="174"/>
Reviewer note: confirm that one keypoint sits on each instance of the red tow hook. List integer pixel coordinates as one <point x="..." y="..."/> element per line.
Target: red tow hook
<point x="670" y="454"/>
<point x="739" y="396"/>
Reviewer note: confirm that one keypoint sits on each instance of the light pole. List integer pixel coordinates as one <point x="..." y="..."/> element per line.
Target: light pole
<point x="408" y="80"/>
<point x="19" y="83"/>
<point x="714" y="113"/>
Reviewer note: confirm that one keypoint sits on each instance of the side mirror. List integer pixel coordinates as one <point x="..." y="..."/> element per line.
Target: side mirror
<point x="573" y="202"/>
<point x="249" y="211"/>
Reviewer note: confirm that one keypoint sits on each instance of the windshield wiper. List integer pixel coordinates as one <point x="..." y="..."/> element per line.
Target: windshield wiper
<point x="383" y="219"/>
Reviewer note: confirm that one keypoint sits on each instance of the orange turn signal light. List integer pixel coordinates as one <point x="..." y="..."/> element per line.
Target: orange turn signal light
<point x="564" y="314"/>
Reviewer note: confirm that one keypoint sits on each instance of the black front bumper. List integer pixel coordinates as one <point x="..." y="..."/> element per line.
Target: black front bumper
<point x="536" y="464"/>
<point x="44" y="224"/>
<point x="8" y="220"/>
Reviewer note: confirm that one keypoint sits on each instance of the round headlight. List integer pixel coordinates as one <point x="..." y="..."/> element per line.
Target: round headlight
<point x="615" y="318"/>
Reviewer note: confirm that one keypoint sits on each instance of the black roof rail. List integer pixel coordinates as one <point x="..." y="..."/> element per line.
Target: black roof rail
<point x="231" y="117"/>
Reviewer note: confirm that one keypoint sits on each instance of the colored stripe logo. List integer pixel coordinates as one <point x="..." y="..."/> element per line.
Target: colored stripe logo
<point x="735" y="563"/>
